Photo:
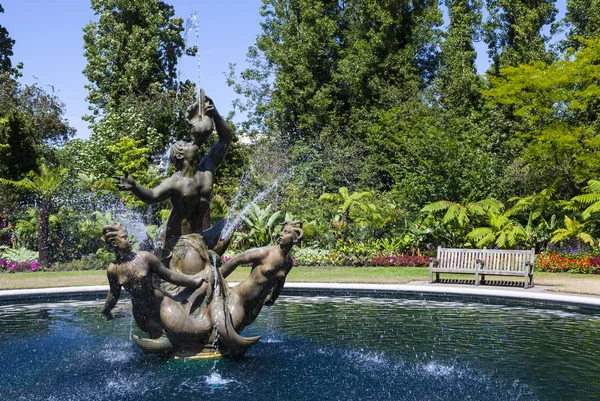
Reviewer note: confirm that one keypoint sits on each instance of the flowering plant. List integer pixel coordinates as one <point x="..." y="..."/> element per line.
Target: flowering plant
<point x="17" y="267"/>
<point x="556" y="263"/>
<point x="400" y="260"/>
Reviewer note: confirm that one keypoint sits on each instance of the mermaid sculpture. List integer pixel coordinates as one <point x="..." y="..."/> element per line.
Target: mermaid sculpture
<point x="189" y="309"/>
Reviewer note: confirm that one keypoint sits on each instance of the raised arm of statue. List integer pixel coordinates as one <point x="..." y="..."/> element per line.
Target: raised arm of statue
<point x="217" y="153"/>
<point x="114" y="292"/>
<point x="149" y="196"/>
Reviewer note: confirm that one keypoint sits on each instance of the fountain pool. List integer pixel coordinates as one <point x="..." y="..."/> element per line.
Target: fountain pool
<point x="353" y="349"/>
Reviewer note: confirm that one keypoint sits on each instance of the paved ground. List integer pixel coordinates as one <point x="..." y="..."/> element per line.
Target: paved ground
<point x="539" y="294"/>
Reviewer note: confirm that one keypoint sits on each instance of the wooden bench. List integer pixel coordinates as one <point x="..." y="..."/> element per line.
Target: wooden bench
<point x="482" y="262"/>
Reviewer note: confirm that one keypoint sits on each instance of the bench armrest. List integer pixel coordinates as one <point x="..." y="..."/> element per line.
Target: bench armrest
<point x="530" y="266"/>
<point x="480" y="262"/>
<point x="433" y="262"/>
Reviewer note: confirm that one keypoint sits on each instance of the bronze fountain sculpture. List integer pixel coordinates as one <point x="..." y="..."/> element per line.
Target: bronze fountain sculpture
<point x="180" y="297"/>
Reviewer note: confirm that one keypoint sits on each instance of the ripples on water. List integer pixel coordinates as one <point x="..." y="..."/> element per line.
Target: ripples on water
<point x="313" y="349"/>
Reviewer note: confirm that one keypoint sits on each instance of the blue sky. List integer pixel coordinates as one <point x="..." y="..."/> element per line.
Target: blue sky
<point x="49" y="42"/>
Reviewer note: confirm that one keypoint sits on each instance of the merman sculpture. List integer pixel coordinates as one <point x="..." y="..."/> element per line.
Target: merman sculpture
<point x="182" y="300"/>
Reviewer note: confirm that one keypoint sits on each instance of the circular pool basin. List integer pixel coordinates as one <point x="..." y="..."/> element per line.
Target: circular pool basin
<point x="313" y="348"/>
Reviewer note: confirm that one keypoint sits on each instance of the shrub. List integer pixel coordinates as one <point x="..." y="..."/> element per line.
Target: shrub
<point x="312" y="257"/>
<point x="400" y="260"/>
<point x="17" y="254"/>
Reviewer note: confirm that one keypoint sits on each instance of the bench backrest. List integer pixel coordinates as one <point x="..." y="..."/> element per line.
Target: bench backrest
<point x="508" y="260"/>
<point x="449" y="258"/>
<point x="494" y="259"/>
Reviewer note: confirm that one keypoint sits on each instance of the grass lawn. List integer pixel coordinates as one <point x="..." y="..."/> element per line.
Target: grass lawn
<point x="563" y="282"/>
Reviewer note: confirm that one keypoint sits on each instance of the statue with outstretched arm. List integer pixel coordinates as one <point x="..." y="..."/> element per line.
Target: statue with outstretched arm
<point x="270" y="266"/>
<point x="154" y="311"/>
<point x="189" y="189"/>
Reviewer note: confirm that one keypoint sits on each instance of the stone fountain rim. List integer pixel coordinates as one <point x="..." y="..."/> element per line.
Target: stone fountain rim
<point x="536" y="295"/>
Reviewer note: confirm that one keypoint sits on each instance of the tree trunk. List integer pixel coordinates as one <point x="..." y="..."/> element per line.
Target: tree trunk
<point x="43" y="226"/>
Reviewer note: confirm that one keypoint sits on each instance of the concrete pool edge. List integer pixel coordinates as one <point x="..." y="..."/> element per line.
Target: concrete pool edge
<point x="538" y="295"/>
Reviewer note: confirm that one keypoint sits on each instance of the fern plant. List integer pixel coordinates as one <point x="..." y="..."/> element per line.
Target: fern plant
<point x="589" y="200"/>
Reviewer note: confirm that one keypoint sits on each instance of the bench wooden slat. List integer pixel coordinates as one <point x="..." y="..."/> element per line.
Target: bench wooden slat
<point x="499" y="262"/>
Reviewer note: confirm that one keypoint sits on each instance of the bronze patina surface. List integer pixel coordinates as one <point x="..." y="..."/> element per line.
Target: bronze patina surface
<point x="181" y="297"/>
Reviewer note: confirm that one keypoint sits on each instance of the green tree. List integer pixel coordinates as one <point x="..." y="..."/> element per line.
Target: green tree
<point x="513" y="31"/>
<point x="136" y="101"/>
<point x="45" y="185"/>
<point x="6" y="45"/>
<point x="459" y="86"/>
<point x="557" y="108"/>
<point x="132" y="49"/>
<point x="582" y="20"/>
<point x="322" y="71"/>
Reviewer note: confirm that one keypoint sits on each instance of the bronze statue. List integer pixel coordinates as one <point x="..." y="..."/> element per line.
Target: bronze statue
<point x="154" y="311"/>
<point x="270" y="266"/>
<point x="188" y="308"/>
<point x="189" y="189"/>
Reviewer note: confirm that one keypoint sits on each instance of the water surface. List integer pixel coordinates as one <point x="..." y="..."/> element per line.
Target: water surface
<point x="313" y="348"/>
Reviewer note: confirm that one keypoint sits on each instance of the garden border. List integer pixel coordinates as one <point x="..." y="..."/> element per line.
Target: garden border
<point x="419" y="289"/>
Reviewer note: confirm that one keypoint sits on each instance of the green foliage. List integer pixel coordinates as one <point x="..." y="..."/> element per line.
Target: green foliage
<point x="350" y="206"/>
<point x="590" y="200"/>
<point x="500" y="231"/>
<point x="6" y="45"/>
<point x="17" y="254"/>
<point x="513" y="31"/>
<point x="459" y="214"/>
<point x="131" y="49"/>
<point x="261" y="226"/>
<point x="310" y="256"/>
<point x="572" y="230"/>
<point x="558" y="108"/>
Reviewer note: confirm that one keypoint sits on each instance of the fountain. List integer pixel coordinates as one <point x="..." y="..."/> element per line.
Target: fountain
<point x="191" y="312"/>
<point x="312" y="348"/>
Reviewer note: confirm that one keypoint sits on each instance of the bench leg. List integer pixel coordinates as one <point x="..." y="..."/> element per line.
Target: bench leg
<point x="482" y="280"/>
<point x="430" y="277"/>
<point x="476" y="278"/>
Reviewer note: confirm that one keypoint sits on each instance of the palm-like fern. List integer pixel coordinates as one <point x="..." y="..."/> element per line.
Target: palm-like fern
<point x="459" y="214"/>
<point x="535" y="204"/>
<point x="352" y="207"/>
<point x="572" y="229"/>
<point x="501" y="231"/>
<point x="44" y="184"/>
<point x="590" y="200"/>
